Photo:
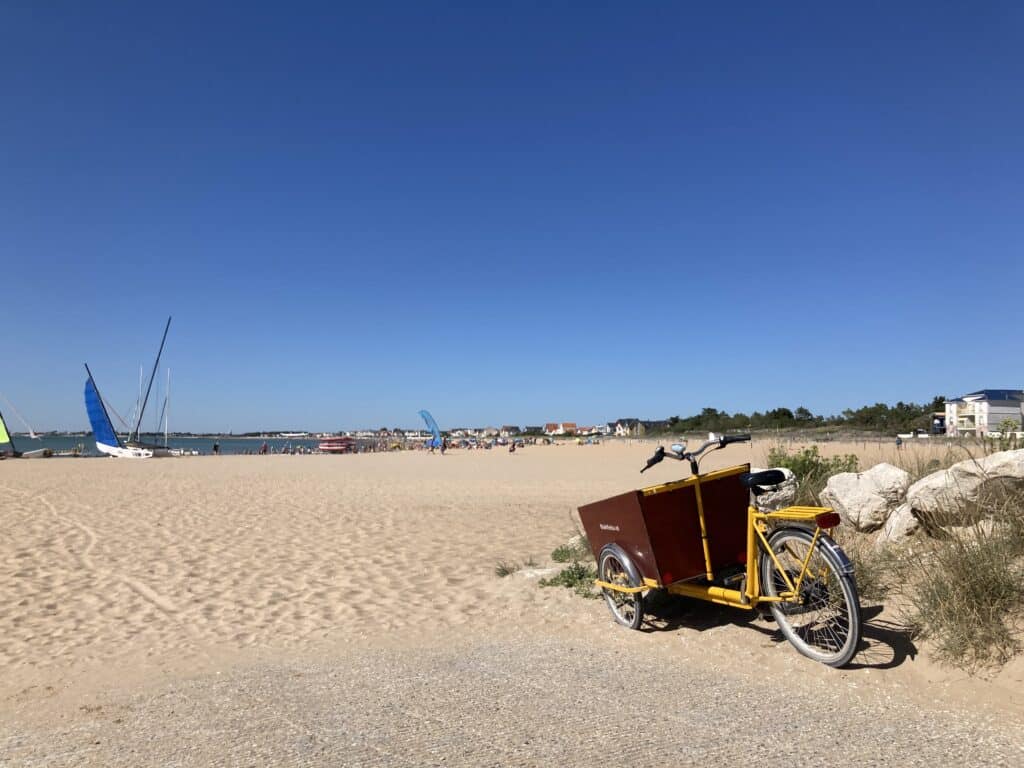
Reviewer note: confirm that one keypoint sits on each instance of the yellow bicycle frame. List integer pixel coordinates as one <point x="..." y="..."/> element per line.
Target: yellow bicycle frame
<point x="757" y="530"/>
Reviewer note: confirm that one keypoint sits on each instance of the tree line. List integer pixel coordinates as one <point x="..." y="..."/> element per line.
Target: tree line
<point x="902" y="417"/>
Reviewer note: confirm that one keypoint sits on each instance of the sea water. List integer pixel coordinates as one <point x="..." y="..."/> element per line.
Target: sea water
<point x="228" y="445"/>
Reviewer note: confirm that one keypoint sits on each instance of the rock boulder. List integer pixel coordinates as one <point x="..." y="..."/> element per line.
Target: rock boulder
<point x="900" y="525"/>
<point x="865" y="500"/>
<point x="962" y="494"/>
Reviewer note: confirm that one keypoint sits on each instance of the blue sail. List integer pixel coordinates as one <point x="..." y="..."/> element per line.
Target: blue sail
<point x="432" y="426"/>
<point x="102" y="429"/>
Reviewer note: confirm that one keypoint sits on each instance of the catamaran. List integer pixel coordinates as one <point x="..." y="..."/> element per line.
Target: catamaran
<point x="107" y="439"/>
<point x="7" y="437"/>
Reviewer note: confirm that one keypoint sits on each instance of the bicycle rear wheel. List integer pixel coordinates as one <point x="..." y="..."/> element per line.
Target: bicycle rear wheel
<point x="824" y="624"/>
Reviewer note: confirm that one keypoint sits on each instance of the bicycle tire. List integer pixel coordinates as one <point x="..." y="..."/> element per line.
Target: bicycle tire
<point x="615" y="567"/>
<point x="826" y="624"/>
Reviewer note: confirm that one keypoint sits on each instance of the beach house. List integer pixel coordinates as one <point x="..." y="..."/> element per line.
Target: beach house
<point x="978" y="413"/>
<point x="638" y="427"/>
<point x="561" y="428"/>
<point x="628" y="428"/>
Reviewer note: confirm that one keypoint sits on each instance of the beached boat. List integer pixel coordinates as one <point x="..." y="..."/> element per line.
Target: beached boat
<point x="337" y="444"/>
<point x="7" y="437"/>
<point x="107" y="440"/>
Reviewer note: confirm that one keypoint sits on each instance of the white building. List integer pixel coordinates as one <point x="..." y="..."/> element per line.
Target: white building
<point x="981" y="412"/>
<point x="561" y="428"/>
<point x="627" y="427"/>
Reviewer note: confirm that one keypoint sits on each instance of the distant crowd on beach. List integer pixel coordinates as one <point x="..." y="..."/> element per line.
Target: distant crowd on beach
<point x="229" y="445"/>
<point x="384" y="446"/>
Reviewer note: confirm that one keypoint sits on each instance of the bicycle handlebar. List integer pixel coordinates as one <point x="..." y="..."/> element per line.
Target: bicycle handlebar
<point x="691" y="456"/>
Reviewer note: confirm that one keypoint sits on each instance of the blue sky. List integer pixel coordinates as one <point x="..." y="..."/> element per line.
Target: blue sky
<point x="508" y="214"/>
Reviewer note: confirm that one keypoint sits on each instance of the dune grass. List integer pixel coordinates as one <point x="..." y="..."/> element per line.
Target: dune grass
<point x="812" y="470"/>
<point x="965" y="591"/>
<point x="581" y="570"/>
<point x="577" y="576"/>
<point x="577" y="549"/>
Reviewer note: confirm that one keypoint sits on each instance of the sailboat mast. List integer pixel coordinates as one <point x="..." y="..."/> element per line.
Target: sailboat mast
<point x="167" y="407"/>
<point x="151" y="377"/>
<point x="160" y="415"/>
<point x="138" y="400"/>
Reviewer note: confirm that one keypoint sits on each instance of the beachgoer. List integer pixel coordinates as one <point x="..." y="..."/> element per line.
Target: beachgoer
<point x="216" y="448"/>
<point x="444" y="445"/>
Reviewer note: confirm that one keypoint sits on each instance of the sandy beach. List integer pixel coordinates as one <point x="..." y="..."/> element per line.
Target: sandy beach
<point x="196" y="610"/>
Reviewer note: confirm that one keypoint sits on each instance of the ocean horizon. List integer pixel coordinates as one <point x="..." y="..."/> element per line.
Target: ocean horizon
<point x="204" y="444"/>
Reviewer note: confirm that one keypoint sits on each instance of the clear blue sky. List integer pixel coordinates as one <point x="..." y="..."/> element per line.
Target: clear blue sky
<point x="508" y="213"/>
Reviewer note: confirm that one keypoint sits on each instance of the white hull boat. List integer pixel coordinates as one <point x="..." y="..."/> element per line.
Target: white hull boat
<point x="107" y="440"/>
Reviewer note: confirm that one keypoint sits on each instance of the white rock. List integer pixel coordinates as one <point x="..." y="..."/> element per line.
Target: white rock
<point x="866" y="499"/>
<point x="951" y="497"/>
<point x="900" y="525"/>
<point x="778" y="496"/>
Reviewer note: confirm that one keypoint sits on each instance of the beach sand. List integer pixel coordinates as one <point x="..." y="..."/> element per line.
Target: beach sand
<point x="127" y="585"/>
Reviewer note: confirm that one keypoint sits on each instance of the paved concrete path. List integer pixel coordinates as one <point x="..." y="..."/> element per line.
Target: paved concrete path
<point x="518" y="702"/>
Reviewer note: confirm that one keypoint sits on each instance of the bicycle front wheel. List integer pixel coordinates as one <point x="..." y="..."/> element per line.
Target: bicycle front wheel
<point x="823" y="621"/>
<point x="615" y="567"/>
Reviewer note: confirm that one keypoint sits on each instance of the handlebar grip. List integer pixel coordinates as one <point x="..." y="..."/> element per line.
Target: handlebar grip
<point x="658" y="456"/>
<point x="734" y="439"/>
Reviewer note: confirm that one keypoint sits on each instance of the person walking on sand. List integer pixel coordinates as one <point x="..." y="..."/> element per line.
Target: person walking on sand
<point x="444" y="445"/>
<point x="216" y="448"/>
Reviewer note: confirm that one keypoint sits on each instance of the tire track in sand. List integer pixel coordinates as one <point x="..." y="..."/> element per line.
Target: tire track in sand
<point x="84" y="558"/>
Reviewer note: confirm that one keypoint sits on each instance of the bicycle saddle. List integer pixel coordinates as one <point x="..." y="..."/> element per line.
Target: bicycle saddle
<point x="754" y="480"/>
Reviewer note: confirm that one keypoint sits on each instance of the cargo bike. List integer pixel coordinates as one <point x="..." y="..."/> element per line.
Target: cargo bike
<point x="702" y="537"/>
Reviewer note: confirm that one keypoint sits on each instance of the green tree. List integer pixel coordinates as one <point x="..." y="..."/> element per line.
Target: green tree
<point x="802" y="414"/>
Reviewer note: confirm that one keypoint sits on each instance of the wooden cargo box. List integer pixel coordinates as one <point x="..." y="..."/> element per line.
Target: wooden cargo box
<point x="659" y="529"/>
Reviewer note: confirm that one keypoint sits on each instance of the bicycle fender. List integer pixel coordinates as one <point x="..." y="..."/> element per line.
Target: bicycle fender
<point x="830" y="544"/>
<point x="625" y="559"/>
